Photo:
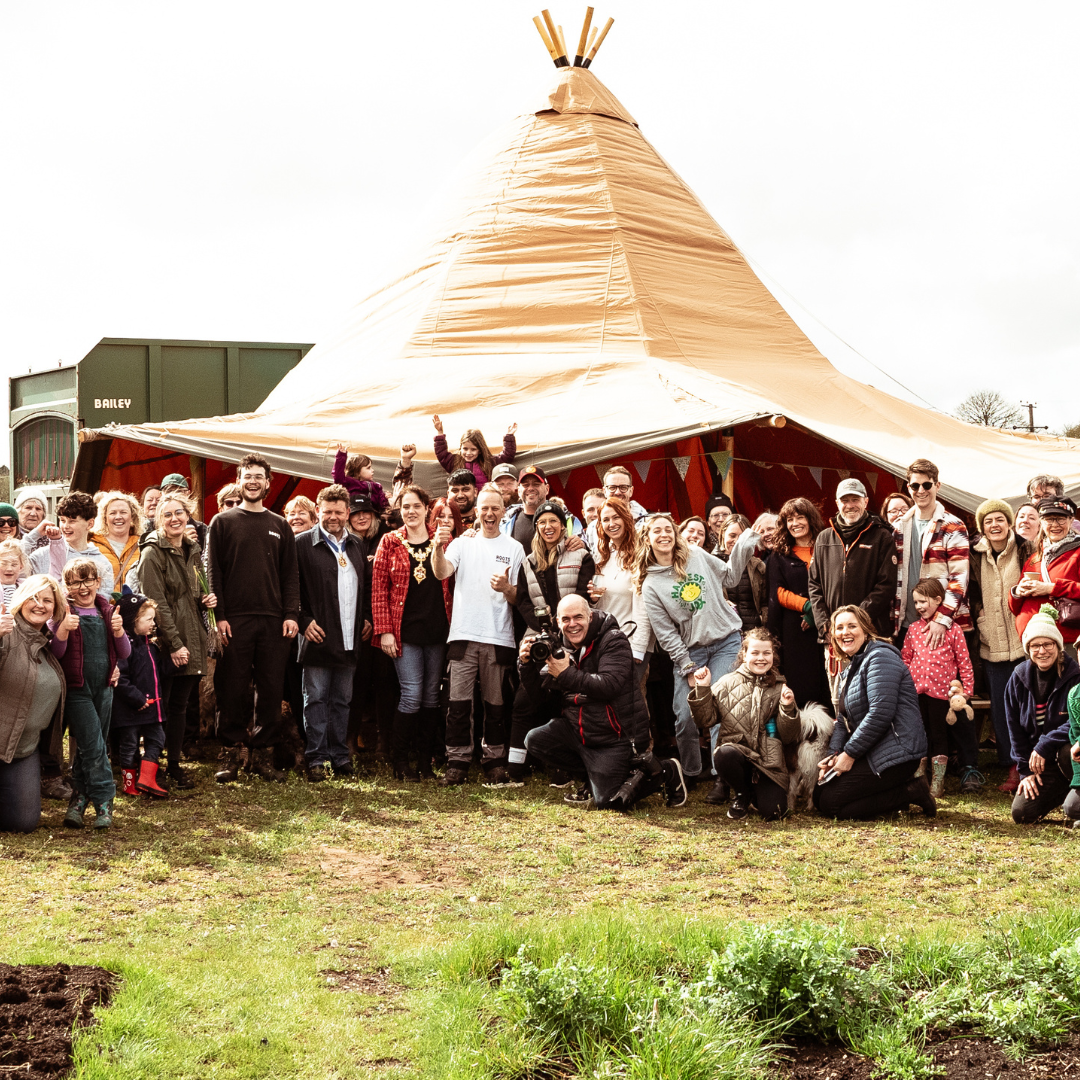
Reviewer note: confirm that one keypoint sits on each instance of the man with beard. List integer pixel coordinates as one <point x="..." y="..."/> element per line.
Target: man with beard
<point x="461" y="487"/>
<point x="854" y="562"/>
<point x="518" y="522"/>
<point x="253" y="572"/>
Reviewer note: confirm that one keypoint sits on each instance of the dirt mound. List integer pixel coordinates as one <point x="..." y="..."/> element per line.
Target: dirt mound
<point x="39" y="1006"/>
<point x="962" y="1059"/>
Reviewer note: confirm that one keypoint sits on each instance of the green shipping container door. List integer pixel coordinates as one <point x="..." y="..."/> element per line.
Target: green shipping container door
<point x="113" y="385"/>
<point x="260" y="371"/>
<point x="193" y="382"/>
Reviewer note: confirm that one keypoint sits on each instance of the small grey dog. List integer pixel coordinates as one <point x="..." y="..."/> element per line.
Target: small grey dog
<point x="817" y="729"/>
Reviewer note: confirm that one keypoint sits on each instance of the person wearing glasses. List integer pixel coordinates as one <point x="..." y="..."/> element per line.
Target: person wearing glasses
<point x="1036" y="711"/>
<point x="932" y="543"/>
<point x="618" y="484"/>
<point x="9" y="523"/>
<point x="228" y="498"/>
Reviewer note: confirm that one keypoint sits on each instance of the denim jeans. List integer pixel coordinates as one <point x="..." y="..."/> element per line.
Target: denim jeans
<point x="719" y="658"/>
<point x="20" y="794"/>
<point x="153" y="740"/>
<point x="420" y="669"/>
<point x="997" y="678"/>
<point x="327" y="696"/>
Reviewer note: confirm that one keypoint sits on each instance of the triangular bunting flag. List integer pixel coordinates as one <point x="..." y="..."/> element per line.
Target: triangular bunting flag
<point x="844" y="473"/>
<point x="643" y="468"/>
<point x="600" y="470"/>
<point x="871" y="479"/>
<point x="682" y="464"/>
<point x="762" y="464"/>
<point x="791" y="469"/>
<point x="564" y="477"/>
<point x="816" y="474"/>
<point x="722" y="461"/>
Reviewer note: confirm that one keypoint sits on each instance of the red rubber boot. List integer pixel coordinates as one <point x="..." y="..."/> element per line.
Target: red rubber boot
<point x="129" y="781"/>
<point x="147" y="782"/>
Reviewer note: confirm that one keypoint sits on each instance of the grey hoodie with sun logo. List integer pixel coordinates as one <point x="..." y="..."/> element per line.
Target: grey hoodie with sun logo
<point x="688" y="613"/>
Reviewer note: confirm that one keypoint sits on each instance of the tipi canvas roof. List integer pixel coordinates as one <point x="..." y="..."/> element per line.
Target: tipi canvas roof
<point x="580" y="288"/>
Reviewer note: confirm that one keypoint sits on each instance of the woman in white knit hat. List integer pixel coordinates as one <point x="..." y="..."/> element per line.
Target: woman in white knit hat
<point x="1036" y="709"/>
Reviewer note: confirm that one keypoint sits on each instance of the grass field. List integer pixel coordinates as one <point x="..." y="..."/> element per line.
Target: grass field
<point x="309" y="930"/>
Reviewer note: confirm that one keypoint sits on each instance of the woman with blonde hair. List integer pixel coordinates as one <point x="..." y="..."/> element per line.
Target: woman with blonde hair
<point x="32" y="692"/>
<point x="683" y="591"/>
<point x="116" y="534"/>
<point x="170" y="573"/>
<point x="301" y="514"/>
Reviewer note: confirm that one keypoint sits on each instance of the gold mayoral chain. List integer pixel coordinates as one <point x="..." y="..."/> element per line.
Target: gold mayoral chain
<point x="419" y="573"/>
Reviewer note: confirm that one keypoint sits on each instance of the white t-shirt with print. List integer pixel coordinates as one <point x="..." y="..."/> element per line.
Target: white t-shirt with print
<point x="480" y="613"/>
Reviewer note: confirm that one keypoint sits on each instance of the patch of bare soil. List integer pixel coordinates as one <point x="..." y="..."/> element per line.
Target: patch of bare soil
<point x="362" y="982"/>
<point x="962" y="1059"/>
<point x="39" y="1006"/>
<point x="375" y="871"/>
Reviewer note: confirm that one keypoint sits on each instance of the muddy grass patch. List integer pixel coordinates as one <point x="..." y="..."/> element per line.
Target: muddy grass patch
<point x="958" y="1059"/>
<point x="40" y="1006"/>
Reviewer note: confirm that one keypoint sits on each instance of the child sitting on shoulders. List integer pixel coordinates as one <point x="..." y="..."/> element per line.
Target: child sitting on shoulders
<point x="14" y="567"/>
<point x="473" y="453"/>
<point x="932" y="668"/>
<point x="357" y="476"/>
<point x="137" y="700"/>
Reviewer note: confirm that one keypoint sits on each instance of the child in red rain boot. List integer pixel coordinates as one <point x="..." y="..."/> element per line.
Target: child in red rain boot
<point x="137" y="712"/>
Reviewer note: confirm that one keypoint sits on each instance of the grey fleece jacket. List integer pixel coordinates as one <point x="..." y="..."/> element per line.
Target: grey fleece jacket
<point x="691" y="613"/>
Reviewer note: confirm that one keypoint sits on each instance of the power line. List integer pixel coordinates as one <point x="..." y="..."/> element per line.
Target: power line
<point x="795" y="300"/>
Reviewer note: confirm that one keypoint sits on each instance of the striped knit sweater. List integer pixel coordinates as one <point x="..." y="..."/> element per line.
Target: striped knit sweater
<point x="944" y="556"/>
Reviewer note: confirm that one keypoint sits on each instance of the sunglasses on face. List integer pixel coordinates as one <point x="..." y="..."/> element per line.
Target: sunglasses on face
<point x="924" y="485"/>
<point x="227" y="503"/>
<point x="8" y="522"/>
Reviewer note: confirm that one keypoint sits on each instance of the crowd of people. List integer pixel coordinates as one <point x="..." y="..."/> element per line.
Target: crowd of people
<point x="830" y="655"/>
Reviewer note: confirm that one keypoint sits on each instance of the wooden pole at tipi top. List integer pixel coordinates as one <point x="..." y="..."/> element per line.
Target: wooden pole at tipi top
<point x="555" y="40"/>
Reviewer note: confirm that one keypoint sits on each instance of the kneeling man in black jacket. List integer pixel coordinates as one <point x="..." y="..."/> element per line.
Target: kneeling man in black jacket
<point x="602" y="732"/>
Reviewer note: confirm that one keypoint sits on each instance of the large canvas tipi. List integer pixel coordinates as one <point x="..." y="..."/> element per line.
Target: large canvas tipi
<point x="580" y="288"/>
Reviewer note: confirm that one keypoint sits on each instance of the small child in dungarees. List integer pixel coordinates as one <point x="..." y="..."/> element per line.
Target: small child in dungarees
<point x="932" y="669"/>
<point x="138" y="710"/>
<point x="88" y="642"/>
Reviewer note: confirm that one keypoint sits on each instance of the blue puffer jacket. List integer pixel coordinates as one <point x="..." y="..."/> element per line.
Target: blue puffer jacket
<point x="882" y="709"/>
<point x="1020" y="713"/>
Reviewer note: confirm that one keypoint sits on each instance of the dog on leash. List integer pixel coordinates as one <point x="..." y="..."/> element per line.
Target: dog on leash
<point x="817" y="729"/>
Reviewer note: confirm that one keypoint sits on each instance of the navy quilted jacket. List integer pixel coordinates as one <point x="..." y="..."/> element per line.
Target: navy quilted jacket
<point x="880" y="718"/>
<point x="1020" y="713"/>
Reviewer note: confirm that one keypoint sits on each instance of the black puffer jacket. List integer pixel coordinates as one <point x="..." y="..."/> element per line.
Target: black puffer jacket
<point x="600" y="693"/>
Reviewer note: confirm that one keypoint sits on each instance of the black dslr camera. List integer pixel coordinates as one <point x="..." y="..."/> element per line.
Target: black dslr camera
<point x="547" y="642"/>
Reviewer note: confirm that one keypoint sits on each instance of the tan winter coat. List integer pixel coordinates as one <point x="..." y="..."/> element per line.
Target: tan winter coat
<point x="742" y="703"/>
<point x="994" y="578"/>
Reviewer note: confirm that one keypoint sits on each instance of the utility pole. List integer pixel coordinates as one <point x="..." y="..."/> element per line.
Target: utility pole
<point x="1031" y="406"/>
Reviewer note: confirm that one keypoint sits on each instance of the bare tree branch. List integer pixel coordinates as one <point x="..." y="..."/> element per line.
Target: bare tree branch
<point x="989" y="409"/>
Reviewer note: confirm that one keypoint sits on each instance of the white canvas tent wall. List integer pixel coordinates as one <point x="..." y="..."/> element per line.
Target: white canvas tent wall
<point x="580" y="288"/>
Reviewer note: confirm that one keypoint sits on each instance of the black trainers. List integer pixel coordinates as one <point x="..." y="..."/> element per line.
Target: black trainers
<point x="344" y="770"/>
<point x="580" y="797"/>
<point x="972" y="780"/>
<point x="674" y="783"/>
<point x="559" y="779"/>
<point x="739" y="808"/>
<point x="718" y="793"/>
<point x="498" y="777"/>
<point x="453" y="776"/>
<point x="178" y="778"/>
<point x="316" y="773"/>
<point x="262" y="764"/>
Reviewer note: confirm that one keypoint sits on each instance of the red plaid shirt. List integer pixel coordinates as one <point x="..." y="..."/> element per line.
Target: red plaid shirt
<point x="390" y="577"/>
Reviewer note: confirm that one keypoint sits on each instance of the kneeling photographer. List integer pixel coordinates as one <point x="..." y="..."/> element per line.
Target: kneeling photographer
<point x="602" y="731"/>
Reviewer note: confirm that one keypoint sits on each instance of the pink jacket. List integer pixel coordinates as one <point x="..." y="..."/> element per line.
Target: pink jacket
<point x="446" y="459"/>
<point x="934" y="669"/>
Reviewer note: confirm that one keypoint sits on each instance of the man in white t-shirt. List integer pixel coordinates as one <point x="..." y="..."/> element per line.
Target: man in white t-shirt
<point x="481" y="640"/>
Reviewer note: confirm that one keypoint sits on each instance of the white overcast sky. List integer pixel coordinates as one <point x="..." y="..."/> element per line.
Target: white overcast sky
<point x="907" y="173"/>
